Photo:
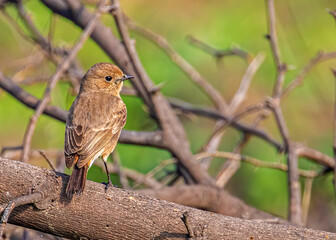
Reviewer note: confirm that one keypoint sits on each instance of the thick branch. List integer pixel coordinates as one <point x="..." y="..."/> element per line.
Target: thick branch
<point x="211" y="199"/>
<point x="122" y="214"/>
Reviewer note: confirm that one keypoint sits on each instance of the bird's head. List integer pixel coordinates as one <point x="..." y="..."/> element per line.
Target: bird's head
<point x="104" y="77"/>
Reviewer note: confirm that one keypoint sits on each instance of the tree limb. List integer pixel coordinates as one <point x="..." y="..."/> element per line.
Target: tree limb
<point x="122" y="214"/>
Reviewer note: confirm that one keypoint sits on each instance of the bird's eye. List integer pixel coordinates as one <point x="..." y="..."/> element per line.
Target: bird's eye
<point x="108" y="78"/>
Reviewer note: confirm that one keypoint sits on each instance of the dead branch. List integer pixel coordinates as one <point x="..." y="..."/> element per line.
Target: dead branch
<point x="320" y="57"/>
<point x="106" y="215"/>
<point x="219" y="54"/>
<point x="308" y="185"/>
<point x="188" y="69"/>
<point x="294" y="209"/>
<point x="7" y="208"/>
<point x="211" y="199"/>
<point x="334" y="144"/>
<point x="174" y="135"/>
<point x="132" y="174"/>
<point x="255" y="162"/>
<point x="230" y="167"/>
<point x="51" y="165"/>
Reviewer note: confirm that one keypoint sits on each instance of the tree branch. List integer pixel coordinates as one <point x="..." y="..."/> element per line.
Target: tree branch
<point x="119" y="214"/>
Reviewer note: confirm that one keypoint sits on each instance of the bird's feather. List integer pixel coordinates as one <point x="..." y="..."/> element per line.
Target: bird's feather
<point x="94" y="124"/>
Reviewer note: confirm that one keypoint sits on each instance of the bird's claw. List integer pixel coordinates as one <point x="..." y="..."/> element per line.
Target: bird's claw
<point x="108" y="185"/>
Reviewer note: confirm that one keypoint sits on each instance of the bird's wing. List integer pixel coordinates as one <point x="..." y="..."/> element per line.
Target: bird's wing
<point x="94" y="121"/>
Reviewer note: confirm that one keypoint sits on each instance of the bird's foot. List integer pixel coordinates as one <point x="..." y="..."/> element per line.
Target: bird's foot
<point x="108" y="185"/>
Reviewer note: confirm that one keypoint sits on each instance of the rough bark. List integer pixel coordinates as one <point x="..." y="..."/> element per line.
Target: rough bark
<point x="120" y="214"/>
<point x="211" y="199"/>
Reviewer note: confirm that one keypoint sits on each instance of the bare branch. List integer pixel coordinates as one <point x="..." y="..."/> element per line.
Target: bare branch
<point x="230" y="167"/>
<point x="295" y="207"/>
<point x="333" y="13"/>
<point x="219" y="54"/>
<point x="255" y="162"/>
<point x="272" y="36"/>
<point x="7" y="208"/>
<point x="306" y="199"/>
<point x="174" y="136"/>
<point x="295" y="210"/>
<point x="189" y="70"/>
<point x="314" y="155"/>
<point x="334" y="146"/>
<point x="320" y="57"/>
<point x="132" y="174"/>
<point x="47" y="159"/>
<point x="240" y="95"/>
<point x="117" y="165"/>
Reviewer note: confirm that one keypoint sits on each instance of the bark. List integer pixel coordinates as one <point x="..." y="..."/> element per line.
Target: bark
<point x="120" y="214"/>
<point x="211" y="199"/>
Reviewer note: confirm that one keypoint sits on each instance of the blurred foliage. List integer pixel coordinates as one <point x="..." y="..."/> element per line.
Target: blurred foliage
<point x="304" y="28"/>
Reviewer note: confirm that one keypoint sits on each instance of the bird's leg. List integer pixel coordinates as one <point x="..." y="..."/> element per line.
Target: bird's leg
<point x="109" y="182"/>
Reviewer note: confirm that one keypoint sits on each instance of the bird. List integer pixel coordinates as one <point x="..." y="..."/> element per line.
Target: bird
<point x="94" y="123"/>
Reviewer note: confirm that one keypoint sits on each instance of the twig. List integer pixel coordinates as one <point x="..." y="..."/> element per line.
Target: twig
<point x="74" y="73"/>
<point x="13" y="148"/>
<point x="53" y="80"/>
<point x="120" y="172"/>
<point x="320" y="57"/>
<point x="334" y="147"/>
<point x="174" y="135"/>
<point x="188" y="69"/>
<point x="233" y="156"/>
<point x="132" y="174"/>
<point x="230" y="167"/>
<point x="295" y="207"/>
<point x="249" y="110"/>
<point x="272" y="36"/>
<point x="306" y="199"/>
<point x="274" y="106"/>
<point x="5" y="217"/>
<point x="333" y="13"/>
<point x="316" y="156"/>
<point x="255" y="162"/>
<point x="295" y="210"/>
<point x="15" y="25"/>
<point x="154" y="171"/>
<point x="281" y="68"/>
<point x="128" y="91"/>
<point x="185" y="219"/>
<point x="219" y="53"/>
<point x="240" y="95"/>
<point x="47" y="159"/>
<point x="7" y="208"/>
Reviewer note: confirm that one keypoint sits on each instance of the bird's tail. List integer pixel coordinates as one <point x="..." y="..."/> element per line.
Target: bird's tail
<point x="77" y="181"/>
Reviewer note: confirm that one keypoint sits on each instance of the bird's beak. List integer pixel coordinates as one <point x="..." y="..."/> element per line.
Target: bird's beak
<point x="125" y="77"/>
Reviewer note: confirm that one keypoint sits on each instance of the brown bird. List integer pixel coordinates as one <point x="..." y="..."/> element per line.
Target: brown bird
<point x="94" y="123"/>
